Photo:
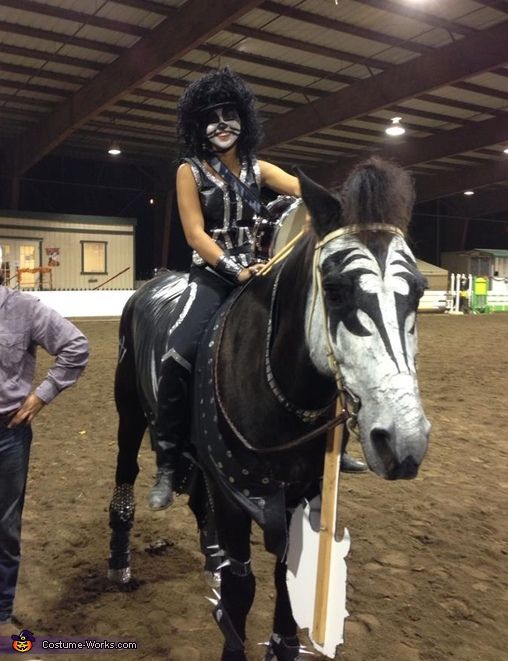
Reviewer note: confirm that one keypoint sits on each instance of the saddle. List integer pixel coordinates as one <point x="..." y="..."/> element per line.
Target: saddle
<point x="261" y="496"/>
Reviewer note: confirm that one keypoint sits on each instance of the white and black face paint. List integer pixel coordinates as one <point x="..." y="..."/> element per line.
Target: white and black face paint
<point x="222" y="127"/>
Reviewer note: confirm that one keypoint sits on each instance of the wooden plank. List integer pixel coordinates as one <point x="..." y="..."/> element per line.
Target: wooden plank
<point x="329" y="499"/>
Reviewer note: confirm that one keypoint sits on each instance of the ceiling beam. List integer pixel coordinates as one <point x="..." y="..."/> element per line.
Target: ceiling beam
<point x="500" y="5"/>
<point x="342" y="27"/>
<point x="237" y="29"/>
<point x="481" y="89"/>
<point x="46" y="56"/>
<point x="251" y="80"/>
<point x="422" y="16"/>
<point x="274" y="63"/>
<point x="422" y="150"/>
<point x="64" y="39"/>
<point x="172" y="39"/>
<point x="148" y="5"/>
<point x="442" y="66"/>
<point x="75" y="16"/>
<point x="306" y="46"/>
<point x="444" y="185"/>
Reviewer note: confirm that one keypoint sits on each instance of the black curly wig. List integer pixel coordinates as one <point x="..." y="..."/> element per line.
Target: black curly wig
<point x="222" y="86"/>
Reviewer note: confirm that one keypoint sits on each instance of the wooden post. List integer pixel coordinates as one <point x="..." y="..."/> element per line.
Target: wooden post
<point x="329" y="499"/>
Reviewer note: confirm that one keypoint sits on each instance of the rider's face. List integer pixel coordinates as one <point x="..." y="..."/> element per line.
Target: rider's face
<point x="222" y="126"/>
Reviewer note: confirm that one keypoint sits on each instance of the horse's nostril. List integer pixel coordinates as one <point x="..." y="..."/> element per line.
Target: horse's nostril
<point x="380" y="436"/>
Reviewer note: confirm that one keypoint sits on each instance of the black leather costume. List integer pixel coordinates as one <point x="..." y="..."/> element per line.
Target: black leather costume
<point x="229" y="221"/>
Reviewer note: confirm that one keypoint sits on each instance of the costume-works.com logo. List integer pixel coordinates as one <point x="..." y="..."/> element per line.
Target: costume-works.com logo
<point x="23" y="642"/>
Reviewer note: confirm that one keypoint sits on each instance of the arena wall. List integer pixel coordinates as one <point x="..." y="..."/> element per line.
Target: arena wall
<point x="64" y="244"/>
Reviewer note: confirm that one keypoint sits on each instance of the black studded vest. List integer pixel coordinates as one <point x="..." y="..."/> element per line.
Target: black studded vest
<point x="228" y="220"/>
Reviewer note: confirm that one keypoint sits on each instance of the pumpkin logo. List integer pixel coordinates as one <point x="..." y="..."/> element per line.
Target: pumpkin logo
<point x="24" y="642"/>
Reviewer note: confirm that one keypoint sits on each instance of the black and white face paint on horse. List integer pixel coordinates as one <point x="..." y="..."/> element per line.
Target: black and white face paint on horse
<point x="371" y="295"/>
<point x="222" y="127"/>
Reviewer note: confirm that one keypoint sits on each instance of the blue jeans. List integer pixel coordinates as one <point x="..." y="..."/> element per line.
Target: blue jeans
<point x="14" y="455"/>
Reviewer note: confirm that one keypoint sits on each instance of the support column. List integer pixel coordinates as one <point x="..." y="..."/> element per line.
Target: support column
<point x="166" y="227"/>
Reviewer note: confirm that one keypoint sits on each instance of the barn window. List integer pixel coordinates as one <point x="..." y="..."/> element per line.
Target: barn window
<point x="94" y="257"/>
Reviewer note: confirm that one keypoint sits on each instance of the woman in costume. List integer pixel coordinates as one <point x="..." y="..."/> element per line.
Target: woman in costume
<point x="218" y="184"/>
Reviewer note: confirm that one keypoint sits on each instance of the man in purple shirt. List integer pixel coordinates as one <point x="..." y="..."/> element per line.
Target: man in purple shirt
<point x="24" y="324"/>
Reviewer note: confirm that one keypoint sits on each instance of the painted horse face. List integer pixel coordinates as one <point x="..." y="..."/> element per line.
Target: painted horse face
<point x="371" y="301"/>
<point x="370" y="297"/>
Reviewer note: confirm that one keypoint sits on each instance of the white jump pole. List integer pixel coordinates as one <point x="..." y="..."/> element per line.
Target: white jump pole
<point x="452" y="293"/>
<point x="458" y="279"/>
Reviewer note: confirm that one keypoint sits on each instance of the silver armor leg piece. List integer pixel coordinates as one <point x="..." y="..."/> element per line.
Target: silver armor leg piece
<point x="121" y="519"/>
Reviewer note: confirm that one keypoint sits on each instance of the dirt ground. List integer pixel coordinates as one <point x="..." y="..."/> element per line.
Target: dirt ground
<point x="428" y="566"/>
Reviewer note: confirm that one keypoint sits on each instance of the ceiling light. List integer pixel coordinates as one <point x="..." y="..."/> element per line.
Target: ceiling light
<point x="469" y="192"/>
<point x="114" y="149"/>
<point x="505" y="151"/>
<point x="395" y="127"/>
<point x="151" y="200"/>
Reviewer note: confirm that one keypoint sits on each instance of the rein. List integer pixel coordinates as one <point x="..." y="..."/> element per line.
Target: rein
<point x="349" y="402"/>
<point x="306" y="415"/>
<point x="300" y="440"/>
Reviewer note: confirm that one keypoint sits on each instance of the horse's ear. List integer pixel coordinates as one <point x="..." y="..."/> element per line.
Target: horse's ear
<point x="324" y="208"/>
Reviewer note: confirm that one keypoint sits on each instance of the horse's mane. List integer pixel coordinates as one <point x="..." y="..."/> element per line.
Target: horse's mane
<point x="378" y="191"/>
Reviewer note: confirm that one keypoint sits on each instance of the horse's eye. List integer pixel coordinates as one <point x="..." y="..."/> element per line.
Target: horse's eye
<point x="418" y="290"/>
<point x="334" y="294"/>
<point x="338" y="293"/>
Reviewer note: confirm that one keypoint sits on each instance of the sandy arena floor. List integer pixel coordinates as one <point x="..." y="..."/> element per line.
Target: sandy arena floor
<point x="428" y="565"/>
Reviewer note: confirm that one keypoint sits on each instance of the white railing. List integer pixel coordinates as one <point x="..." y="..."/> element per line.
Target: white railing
<point x="86" y="303"/>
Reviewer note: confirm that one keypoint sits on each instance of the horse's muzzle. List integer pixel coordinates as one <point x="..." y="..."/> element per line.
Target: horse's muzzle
<point x="396" y="456"/>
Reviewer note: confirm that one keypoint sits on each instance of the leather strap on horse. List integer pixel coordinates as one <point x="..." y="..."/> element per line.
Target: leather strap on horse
<point x="318" y="292"/>
<point x="341" y="418"/>
<point x="344" y="416"/>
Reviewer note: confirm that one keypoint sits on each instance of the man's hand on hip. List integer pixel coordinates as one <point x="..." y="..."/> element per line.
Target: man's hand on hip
<point x="27" y="412"/>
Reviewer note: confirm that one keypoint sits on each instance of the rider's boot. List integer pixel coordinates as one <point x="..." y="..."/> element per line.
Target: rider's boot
<point x="171" y="429"/>
<point x="349" y="464"/>
<point x="161" y="494"/>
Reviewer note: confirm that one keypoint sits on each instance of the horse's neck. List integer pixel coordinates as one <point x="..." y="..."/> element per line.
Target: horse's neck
<point x="243" y="374"/>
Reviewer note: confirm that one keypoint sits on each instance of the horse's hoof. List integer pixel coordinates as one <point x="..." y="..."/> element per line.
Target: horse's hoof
<point x="212" y="578"/>
<point x="284" y="649"/>
<point x="120" y="576"/>
<point x="229" y="655"/>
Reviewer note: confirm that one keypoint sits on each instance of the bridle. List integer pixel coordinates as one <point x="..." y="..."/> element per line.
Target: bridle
<point x="350" y="404"/>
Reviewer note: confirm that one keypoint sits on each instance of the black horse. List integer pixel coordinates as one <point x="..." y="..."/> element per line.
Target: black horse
<point x="339" y="311"/>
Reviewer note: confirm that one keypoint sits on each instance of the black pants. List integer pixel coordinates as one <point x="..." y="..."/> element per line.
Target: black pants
<point x="203" y="296"/>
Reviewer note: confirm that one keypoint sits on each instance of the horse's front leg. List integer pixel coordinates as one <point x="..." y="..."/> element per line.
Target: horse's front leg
<point x="238" y="584"/>
<point x="284" y="644"/>
<point x="131" y="427"/>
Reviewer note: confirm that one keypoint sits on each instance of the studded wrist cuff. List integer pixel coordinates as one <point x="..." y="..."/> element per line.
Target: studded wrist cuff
<point x="228" y="268"/>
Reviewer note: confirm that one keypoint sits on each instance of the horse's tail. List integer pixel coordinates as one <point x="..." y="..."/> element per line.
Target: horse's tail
<point x="378" y="191"/>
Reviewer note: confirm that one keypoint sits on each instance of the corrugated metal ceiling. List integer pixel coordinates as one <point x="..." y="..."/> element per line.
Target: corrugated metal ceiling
<point x="291" y="52"/>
